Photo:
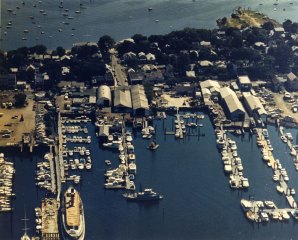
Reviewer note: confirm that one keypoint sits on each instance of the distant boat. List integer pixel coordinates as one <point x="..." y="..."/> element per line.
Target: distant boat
<point x="24" y="39"/>
<point x="150" y="9"/>
<point x="156" y="20"/>
<point x="26" y="31"/>
<point x="77" y="11"/>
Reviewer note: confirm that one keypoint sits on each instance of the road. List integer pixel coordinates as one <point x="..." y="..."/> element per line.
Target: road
<point x="118" y="70"/>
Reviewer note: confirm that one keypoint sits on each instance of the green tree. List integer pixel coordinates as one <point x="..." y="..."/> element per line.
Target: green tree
<point x="20" y="99"/>
<point x="105" y="43"/>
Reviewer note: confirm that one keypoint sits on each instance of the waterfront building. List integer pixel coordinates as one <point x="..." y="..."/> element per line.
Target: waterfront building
<point x="122" y="100"/>
<point x="244" y="83"/>
<point x="254" y="106"/>
<point x="292" y="82"/>
<point x="232" y="106"/>
<point x="139" y="100"/>
<point x="135" y="77"/>
<point x="104" y="96"/>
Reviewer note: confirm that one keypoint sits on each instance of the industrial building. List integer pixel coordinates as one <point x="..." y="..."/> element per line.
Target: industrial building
<point x="139" y="100"/>
<point x="232" y="106"/>
<point x="254" y="107"/>
<point x="122" y="100"/>
<point x="104" y="97"/>
<point x="244" y="83"/>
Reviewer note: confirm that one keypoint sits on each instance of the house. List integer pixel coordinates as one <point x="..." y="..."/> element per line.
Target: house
<point x="244" y="83"/>
<point x="154" y="77"/>
<point x="135" y="77"/>
<point x="292" y="82"/>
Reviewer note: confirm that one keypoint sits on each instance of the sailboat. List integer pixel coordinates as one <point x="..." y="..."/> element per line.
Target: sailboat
<point x="25" y="236"/>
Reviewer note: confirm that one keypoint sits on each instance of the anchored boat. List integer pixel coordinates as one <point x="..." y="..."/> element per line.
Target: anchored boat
<point x="73" y="214"/>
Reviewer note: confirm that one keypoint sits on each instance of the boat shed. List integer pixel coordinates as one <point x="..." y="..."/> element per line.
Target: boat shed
<point x="139" y="100"/>
<point x="209" y="84"/>
<point x="232" y="106"/>
<point x="122" y="100"/>
<point x="103" y="132"/>
<point x="225" y="91"/>
<point x="104" y="97"/>
<point x="254" y="106"/>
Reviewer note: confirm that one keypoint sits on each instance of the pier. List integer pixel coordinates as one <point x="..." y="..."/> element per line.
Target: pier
<point x="179" y="130"/>
<point x="49" y="219"/>
<point x="59" y="158"/>
<point x="260" y="213"/>
<point x="52" y="169"/>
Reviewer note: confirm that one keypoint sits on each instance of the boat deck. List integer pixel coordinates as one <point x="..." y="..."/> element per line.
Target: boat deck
<point x="49" y="213"/>
<point x="72" y="209"/>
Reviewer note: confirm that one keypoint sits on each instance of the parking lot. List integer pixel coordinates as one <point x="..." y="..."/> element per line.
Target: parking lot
<point x="16" y="121"/>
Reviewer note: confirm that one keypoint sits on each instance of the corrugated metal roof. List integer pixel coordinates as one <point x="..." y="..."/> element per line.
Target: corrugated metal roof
<point x="209" y="84"/>
<point x="225" y="91"/>
<point x="104" y="92"/>
<point x="254" y="104"/>
<point x="122" y="98"/>
<point x="233" y="103"/>
<point x="139" y="99"/>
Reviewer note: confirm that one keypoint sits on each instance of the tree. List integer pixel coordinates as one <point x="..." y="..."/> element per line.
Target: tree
<point x="105" y="43"/>
<point x="287" y="25"/>
<point x="268" y="26"/>
<point x="20" y="99"/>
<point x="60" y="51"/>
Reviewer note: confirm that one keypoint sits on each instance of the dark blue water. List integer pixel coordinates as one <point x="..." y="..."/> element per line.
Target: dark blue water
<point x="198" y="202"/>
<point x="120" y="18"/>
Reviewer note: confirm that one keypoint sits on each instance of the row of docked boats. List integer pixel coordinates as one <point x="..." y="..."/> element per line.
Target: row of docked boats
<point x="80" y="120"/>
<point x="74" y="129"/>
<point x="77" y="139"/>
<point x="7" y="172"/>
<point x="148" y="132"/>
<point x="262" y="211"/>
<point x="76" y="157"/>
<point x="232" y="162"/>
<point x="43" y="174"/>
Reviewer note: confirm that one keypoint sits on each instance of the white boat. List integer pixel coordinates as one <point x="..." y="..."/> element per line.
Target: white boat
<point x="73" y="214"/>
<point x="279" y="189"/>
<point x="108" y="162"/>
<point x="269" y="204"/>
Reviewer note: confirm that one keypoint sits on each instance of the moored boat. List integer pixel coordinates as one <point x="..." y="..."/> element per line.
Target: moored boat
<point x="73" y="214"/>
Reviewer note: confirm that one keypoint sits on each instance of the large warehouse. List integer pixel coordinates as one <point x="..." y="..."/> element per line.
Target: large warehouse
<point x="104" y="97"/>
<point x="232" y="106"/>
<point x="122" y="100"/>
<point x="139" y="100"/>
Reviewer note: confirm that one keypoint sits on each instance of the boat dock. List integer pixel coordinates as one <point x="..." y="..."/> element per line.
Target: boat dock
<point x="179" y="130"/>
<point x="59" y="158"/>
<point x="259" y="213"/>
<point x="49" y="219"/>
<point x="52" y="169"/>
<point x="231" y="161"/>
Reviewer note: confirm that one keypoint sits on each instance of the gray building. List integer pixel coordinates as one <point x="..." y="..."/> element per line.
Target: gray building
<point x="233" y="108"/>
<point x="292" y="82"/>
<point x="122" y="100"/>
<point x="139" y="100"/>
<point x="254" y="106"/>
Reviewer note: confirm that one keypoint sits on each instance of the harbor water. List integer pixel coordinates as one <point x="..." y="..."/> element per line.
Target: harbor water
<point x="198" y="202"/>
<point x="47" y="25"/>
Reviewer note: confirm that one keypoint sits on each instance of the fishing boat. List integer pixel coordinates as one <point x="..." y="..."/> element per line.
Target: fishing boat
<point x="73" y="214"/>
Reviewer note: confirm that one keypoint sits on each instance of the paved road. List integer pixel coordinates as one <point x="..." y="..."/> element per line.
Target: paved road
<point x="118" y="70"/>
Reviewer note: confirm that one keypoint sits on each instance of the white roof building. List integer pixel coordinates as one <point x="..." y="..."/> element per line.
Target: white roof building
<point x="104" y="96"/>
<point x="139" y="99"/>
